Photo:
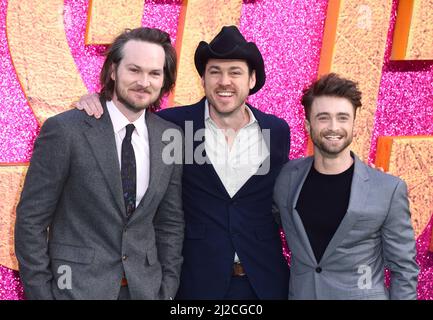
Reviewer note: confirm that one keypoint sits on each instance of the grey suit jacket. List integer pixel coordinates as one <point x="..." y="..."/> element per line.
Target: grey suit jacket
<point x="375" y="232"/>
<point x="72" y="238"/>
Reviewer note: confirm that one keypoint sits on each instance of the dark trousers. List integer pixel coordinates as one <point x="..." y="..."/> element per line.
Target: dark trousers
<point x="240" y="289"/>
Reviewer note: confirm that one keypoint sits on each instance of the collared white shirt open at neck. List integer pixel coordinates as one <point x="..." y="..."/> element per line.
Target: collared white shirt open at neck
<point x="140" y="143"/>
<point x="235" y="165"/>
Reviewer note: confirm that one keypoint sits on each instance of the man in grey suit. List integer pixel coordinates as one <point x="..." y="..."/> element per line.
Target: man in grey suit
<point x="100" y="215"/>
<point x="344" y="221"/>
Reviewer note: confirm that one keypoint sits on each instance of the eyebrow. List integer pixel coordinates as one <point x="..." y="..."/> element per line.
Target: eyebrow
<point x="133" y="65"/>
<point x="231" y="68"/>
<point x="327" y="114"/>
<point x="140" y="68"/>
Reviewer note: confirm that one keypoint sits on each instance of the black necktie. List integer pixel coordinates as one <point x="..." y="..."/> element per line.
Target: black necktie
<point x="128" y="171"/>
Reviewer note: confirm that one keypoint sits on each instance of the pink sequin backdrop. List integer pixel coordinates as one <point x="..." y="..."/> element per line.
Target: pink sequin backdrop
<point x="18" y="126"/>
<point x="405" y="108"/>
<point x="289" y="35"/>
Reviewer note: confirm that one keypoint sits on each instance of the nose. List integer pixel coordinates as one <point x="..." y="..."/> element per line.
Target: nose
<point x="143" y="80"/>
<point x="224" y="80"/>
<point x="333" y="124"/>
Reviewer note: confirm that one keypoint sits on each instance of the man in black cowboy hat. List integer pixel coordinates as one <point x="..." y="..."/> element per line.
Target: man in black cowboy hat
<point x="232" y="248"/>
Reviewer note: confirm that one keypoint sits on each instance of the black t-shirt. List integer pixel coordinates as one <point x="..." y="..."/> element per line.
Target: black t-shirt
<point x="322" y="204"/>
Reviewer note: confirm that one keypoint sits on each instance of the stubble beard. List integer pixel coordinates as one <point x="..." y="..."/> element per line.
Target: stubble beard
<point x="130" y="105"/>
<point x="325" y="149"/>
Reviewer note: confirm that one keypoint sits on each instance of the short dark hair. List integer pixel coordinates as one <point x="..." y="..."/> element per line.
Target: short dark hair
<point x="114" y="55"/>
<point x="331" y="85"/>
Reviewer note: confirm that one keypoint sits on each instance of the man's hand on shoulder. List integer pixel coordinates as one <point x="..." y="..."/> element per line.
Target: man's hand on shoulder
<point x="91" y="104"/>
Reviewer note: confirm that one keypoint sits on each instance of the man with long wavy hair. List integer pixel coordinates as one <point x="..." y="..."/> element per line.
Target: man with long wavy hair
<point x="100" y="215"/>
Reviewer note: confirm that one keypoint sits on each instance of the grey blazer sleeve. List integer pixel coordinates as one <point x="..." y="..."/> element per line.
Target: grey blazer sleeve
<point x="169" y="232"/>
<point x="42" y="188"/>
<point x="399" y="247"/>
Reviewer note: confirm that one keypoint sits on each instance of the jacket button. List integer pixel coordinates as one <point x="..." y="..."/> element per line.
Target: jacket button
<point x="318" y="269"/>
<point x="124" y="257"/>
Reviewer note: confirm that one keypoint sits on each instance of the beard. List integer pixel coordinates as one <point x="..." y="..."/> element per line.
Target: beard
<point x="225" y="109"/>
<point x="129" y="103"/>
<point x="326" y="147"/>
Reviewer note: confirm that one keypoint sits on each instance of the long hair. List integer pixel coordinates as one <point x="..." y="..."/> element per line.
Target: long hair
<point x="114" y="55"/>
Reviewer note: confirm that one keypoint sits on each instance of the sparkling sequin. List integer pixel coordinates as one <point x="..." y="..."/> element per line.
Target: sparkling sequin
<point x="405" y="108"/>
<point x="18" y="126"/>
<point x="10" y="285"/>
<point x="289" y="36"/>
<point x="405" y="100"/>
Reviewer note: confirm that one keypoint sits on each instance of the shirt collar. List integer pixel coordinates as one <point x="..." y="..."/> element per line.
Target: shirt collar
<point x="120" y="121"/>
<point x="208" y="118"/>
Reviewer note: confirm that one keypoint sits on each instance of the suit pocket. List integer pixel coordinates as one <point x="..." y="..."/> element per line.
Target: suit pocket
<point x="152" y="256"/>
<point x="197" y="231"/>
<point x="83" y="255"/>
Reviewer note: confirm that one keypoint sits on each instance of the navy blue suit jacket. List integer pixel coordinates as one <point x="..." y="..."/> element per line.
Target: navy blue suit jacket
<point x="217" y="225"/>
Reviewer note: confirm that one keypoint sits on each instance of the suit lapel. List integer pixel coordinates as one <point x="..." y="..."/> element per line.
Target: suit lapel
<point x="358" y="196"/>
<point x="297" y="179"/>
<point x="265" y="124"/>
<point x="156" y="165"/>
<point x="100" y="136"/>
<point x="207" y="171"/>
<point x="271" y="144"/>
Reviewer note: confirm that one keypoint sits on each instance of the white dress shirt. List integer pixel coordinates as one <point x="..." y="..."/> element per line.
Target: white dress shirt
<point x="235" y="165"/>
<point x="140" y="143"/>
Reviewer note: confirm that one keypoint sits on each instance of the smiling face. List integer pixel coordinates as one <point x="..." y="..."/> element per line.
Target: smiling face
<point x="227" y="84"/>
<point x="139" y="76"/>
<point x="330" y="126"/>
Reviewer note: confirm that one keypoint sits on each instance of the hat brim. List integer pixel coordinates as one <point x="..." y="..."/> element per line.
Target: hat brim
<point x="248" y="52"/>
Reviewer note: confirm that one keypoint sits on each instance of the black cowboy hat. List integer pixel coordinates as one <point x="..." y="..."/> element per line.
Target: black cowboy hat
<point x="229" y="43"/>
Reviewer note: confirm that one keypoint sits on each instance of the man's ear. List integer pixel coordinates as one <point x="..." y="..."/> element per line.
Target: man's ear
<point x="113" y="72"/>
<point x="307" y="125"/>
<point x="202" y="80"/>
<point x="252" y="79"/>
